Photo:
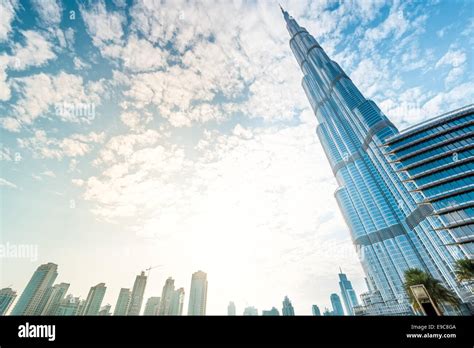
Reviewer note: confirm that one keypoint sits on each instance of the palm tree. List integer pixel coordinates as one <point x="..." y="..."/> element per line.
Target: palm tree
<point x="438" y="293"/>
<point x="464" y="270"/>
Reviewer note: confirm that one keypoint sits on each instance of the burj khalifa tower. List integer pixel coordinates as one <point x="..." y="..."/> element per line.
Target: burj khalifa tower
<point x="391" y="231"/>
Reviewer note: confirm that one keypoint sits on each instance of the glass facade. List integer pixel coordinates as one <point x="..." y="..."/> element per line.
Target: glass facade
<point x="348" y="294"/>
<point x="287" y="309"/>
<point x="94" y="300"/>
<point x="37" y="291"/>
<point x="136" y="298"/>
<point x="198" y="294"/>
<point x="336" y="305"/>
<point x="315" y="310"/>
<point x="441" y="178"/>
<point x="387" y="225"/>
<point x="7" y="296"/>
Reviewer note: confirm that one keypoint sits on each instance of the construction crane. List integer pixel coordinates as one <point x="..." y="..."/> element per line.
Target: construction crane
<point x="152" y="267"/>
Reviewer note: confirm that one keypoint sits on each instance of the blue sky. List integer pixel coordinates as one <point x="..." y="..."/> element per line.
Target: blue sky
<point x="177" y="133"/>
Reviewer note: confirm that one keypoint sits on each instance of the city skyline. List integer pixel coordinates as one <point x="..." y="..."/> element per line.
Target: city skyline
<point x="55" y="299"/>
<point x="163" y="142"/>
<point x="42" y="297"/>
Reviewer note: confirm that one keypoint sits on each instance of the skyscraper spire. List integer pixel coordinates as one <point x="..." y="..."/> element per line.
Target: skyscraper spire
<point x="387" y="227"/>
<point x="285" y="14"/>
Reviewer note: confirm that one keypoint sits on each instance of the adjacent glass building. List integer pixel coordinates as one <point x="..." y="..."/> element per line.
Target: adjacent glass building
<point x="435" y="160"/>
<point x="389" y="228"/>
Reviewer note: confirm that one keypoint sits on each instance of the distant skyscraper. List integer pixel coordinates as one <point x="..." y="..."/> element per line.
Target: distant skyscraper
<point x="137" y="295"/>
<point x="287" y="307"/>
<point x="250" y="311"/>
<point x="327" y="312"/>
<point x="166" y="297"/>
<point x="58" y="293"/>
<point x="315" y="310"/>
<point x="271" y="312"/>
<point x="152" y="305"/>
<point x="81" y="305"/>
<point x="231" y="309"/>
<point x="385" y="221"/>
<point x="94" y="299"/>
<point x="372" y="304"/>
<point x="336" y="305"/>
<point x="348" y="294"/>
<point x="123" y="302"/>
<point x="105" y="310"/>
<point x="176" y="307"/>
<point x="198" y="294"/>
<point x="7" y="296"/>
<point x="34" y="297"/>
<point x="69" y="306"/>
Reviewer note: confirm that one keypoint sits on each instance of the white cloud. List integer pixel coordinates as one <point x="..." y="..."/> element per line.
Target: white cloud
<point x="416" y="105"/>
<point x="5" y="91"/>
<point x="76" y="145"/>
<point x="5" y="182"/>
<point x="227" y="55"/>
<point x="450" y="100"/>
<point x="136" y="120"/>
<point x="10" y="124"/>
<point x="104" y="27"/>
<point x="412" y="59"/>
<point x="50" y="11"/>
<point x="79" y="64"/>
<point x="121" y="147"/>
<point x="37" y="51"/>
<point x="5" y="154"/>
<point x="7" y="9"/>
<point x="395" y="24"/>
<point x="48" y="173"/>
<point x="179" y="20"/>
<point x="149" y="57"/>
<point x="78" y="182"/>
<point x="371" y="77"/>
<point x="456" y="59"/>
<point x="71" y="99"/>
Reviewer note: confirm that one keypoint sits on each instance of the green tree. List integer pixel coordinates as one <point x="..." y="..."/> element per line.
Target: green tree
<point x="439" y="294"/>
<point x="464" y="270"/>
